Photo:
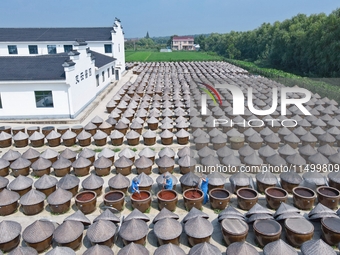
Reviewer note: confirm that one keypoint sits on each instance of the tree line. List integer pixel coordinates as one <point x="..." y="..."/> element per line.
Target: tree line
<point x="305" y="45"/>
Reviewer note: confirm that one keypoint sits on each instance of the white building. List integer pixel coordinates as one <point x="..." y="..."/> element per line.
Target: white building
<point x="41" y="41"/>
<point x="53" y="86"/>
<point x="56" y="73"/>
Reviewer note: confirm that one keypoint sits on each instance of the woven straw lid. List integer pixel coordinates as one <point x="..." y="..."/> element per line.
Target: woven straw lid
<point x="289" y="215"/>
<point x="231" y="160"/>
<point x="60" y="196"/>
<point x="107" y="153"/>
<point x="20" y="183"/>
<point x="167" y="134"/>
<point x="285" y="208"/>
<point x="61" y="251"/>
<point x="36" y="136"/>
<point x="143" y="162"/>
<point x="81" y="162"/>
<point x="38" y="231"/>
<point x="11" y="155"/>
<point x="314" y="177"/>
<point x="210" y="160"/>
<point x="20" y="163"/>
<point x="32" y="197"/>
<point x="133" y="230"/>
<point x="276" y="160"/>
<point x="123" y="162"/>
<point x="92" y="182"/>
<point x="318" y="158"/>
<point x="20" y="136"/>
<point x="53" y="135"/>
<point x="266" y="178"/>
<point x="121" y="125"/>
<point x="41" y="164"/>
<point x="199" y="139"/>
<point x="8" y="197"/>
<point x="132" y="135"/>
<point x="240" y="179"/>
<point x="334" y="176"/>
<point x="259" y="216"/>
<point x="68" y="135"/>
<point x="87" y="153"/>
<point x="167" y="229"/>
<point x="101" y="231"/>
<point x="79" y="216"/>
<point x="108" y="216"/>
<point x="272" y="138"/>
<point x="320" y="209"/>
<point x="246" y="150"/>
<point x="169" y="249"/>
<point x="279" y="247"/>
<point x="204" y="249"/>
<point x="198" y="227"/>
<point x="90" y="126"/>
<point x="49" y="153"/>
<point x="229" y="210"/>
<point x="4" y="163"/>
<point x="241" y="248"/>
<point x="189" y="179"/>
<point x="9" y="230"/>
<point x="3" y="182"/>
<point x="5" y="136"/>
<point x="136" y="125"/>
<point x="102" y="162"/>
<point x="136" y="214"/>
<point x="165" y="161"/>
<point x="266" y="151"/>
<point x="165" y="214"/>
<point x="185" y="151"/>
<point x="147" y="152"/>
<point x="31" y="154"/>
<point x="256" y="209"/>
<point x="61" y="163"/>
<point x="149" y="134"/>
<point x="253" y="159"/>
<point x="166" y="152"/>
<point x="308" y="137"/>
<point x="99" y="250"/>
<point x="97" y="120"/>
<point x="116" y="134"/>
<point x="144" y="180"/>
<point x="23" y="251"/>
<point x="316" y="247"/>
<point x="119" y="182"/>
<point x="216" y="179"/>
<point x="160" y="179"/>
<point x="83" y="135"/>
<point x="68" y="182"/>
<point x="127" y="153"/>
<point x="286" y="150"/>
<point x="68" y="154"/>
<point x="291" y="177"/>
<point x="187" y="161"/>
<point x="68" y="231"/>
<point x="133" y="248"/>
<point x="296" y="159"/>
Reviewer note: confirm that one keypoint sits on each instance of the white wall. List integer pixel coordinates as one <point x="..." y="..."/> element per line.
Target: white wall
<point x="18" y="99"/>
<point x="119" y="47"/>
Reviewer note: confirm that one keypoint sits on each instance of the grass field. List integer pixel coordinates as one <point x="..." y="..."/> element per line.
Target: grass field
<point x="152" y="56"/>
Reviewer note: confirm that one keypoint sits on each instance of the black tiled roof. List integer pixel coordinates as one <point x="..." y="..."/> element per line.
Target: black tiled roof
<point x="55" y="34"/>
<point x="43" y="67"/>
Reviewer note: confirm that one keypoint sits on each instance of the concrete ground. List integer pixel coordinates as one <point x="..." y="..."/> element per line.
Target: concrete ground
<point x="151" y="244"/>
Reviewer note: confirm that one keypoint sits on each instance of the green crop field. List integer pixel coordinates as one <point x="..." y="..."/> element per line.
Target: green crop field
<point x="152" y="56"/>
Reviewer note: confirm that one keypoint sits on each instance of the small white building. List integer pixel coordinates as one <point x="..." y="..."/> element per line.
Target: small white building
<point x="53" y="86"/>
<point x="42" y="41"/>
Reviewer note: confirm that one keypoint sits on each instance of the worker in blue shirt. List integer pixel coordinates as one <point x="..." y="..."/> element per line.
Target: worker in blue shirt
<point x="135" y="185"/>
<point x="204" y="188"/>
<point x="167" y="183"/>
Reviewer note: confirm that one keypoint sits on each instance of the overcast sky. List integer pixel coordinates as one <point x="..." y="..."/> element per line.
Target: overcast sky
<point x="159" y="17"/>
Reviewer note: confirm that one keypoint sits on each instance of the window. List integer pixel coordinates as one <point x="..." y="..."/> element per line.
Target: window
<point x="67" y="48"/>
<point x="108" y="73"/>
<point x="108" y="48"/>
<point x="0" y="102"/>
<point x="119" y="47"/>
<point x="43" y="98"/>
<point x="103" y="76"/>
<point x="52" y="49"/>
<point x="33" y="49"/>
<point x="97" y="80"/>
<point x="12" y="49"/>
<point x="112" y="70"/>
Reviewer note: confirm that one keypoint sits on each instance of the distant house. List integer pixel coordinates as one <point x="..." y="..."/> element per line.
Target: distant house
<point x="183" y="43"/>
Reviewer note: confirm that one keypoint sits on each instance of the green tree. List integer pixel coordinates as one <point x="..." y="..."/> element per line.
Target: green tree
<point x="147" y="35"/>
